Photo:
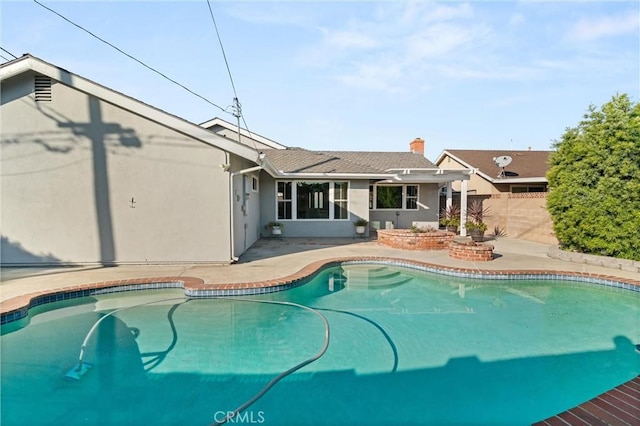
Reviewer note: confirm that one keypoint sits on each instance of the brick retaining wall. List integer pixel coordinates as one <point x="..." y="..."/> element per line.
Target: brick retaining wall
<point x="471" y="251"/>
<point x="407" y="240"/>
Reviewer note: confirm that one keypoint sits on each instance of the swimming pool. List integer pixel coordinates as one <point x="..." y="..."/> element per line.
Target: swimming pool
<point x="406" y="347"/>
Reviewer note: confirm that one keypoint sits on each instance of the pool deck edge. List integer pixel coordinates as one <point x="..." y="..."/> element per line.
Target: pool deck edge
<point x="17" y="307"/>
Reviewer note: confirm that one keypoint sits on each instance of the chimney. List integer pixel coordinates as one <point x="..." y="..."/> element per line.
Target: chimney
<point x="417" y="146"/>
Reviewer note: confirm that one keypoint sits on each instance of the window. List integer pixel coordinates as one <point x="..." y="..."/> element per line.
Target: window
<point x="394" y="197"/>
<point x="411" y="200"/>
<point x="284" y="200"/>
<point x="531" y="188"/>
<point x="388" y="197"/>
<point x="254" y="184"/>
<point x="340" y="200"/>
<point x="313" y="200"/>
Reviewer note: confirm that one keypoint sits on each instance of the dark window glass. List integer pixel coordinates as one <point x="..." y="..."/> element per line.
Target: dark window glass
<point x="312" y="200"/>
<point x="284" y="200"/>
<point x="389" y="197"/>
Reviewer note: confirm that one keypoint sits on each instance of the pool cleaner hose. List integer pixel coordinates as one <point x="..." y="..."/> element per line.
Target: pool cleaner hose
<point x="284" y="374"/>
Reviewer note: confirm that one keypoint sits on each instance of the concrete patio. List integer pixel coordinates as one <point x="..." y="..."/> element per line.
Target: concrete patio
<point x="276" y="258"/>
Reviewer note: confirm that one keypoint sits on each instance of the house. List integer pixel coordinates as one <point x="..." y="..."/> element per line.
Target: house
<point x="321" y="193"/>
<point x="512" y="184"/>
<point x="92" y="176"/>
<point x="526" y="172"/>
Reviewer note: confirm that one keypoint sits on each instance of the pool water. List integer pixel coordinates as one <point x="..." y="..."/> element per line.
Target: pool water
<point x="406" y="347"/>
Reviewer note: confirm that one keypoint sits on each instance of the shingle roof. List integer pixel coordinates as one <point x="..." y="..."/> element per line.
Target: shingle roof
<point x="525" y="164"/>
<point x="298" y="160"/>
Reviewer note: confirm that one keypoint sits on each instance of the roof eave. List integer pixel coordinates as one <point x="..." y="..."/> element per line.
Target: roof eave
<point x="328" y="175"/>
<point x="30" y="63"/>
<point x="244" y="132"/>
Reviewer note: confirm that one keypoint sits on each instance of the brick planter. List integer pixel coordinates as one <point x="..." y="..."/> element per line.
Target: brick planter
<point x="472" y="252"/>
<point x="407" y="240"/>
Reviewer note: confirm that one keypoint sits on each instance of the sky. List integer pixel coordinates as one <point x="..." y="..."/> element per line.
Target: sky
<point x="355" y="76"/>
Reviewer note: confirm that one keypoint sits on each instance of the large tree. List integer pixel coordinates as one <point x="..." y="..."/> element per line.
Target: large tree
<point x="594" y="181"/>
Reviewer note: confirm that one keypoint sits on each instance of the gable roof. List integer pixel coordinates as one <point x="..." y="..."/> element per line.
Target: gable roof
<point x="27" y="63"/>
<point x="526" y="166"/>
<point x="229" y="130"/>
<point x="395" y="166"/>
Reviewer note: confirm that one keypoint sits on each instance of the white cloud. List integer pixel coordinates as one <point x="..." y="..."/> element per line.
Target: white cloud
<point x="608" y="26"/>
<point x="349" y="39"/>
<point x="393" y="49"/>
<point x="487" y="71"/>
<point x="415" y="46"/>
<point x="271" y="13"/>
<point x="436" y="12"/>
<point x="437" y="40"/>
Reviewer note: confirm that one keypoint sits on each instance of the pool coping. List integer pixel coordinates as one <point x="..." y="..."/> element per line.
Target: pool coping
<point x="18" y="307"/>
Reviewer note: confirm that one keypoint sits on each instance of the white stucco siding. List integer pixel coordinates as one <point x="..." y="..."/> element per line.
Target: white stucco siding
<point x="246" y="204"/>
<point x="85" y="181"/>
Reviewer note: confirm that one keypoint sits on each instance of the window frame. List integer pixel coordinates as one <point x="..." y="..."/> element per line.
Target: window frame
<point x="373" y="197"/>
<point x="331" y="201"/>
<point x="528" y="187"/>
<point x="284" y="201"/>
<point x="255" y="183"/>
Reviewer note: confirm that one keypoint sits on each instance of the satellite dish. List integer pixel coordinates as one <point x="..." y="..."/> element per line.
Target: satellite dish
<point x="502" y="162"/>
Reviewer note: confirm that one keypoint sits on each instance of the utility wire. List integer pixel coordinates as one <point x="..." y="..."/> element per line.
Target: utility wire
<point x="236" y="103"/>
<point x="222" y="48"/>
<point x="6" y="51"/>
<point x="130" y="56"/>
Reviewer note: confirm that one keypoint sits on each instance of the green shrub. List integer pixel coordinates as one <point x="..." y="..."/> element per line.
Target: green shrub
<point x="594" y="182"/>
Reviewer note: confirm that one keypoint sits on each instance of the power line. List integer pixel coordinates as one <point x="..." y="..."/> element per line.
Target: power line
<point x="222" y="48"/>
<point x="130" y="56"/>
<point x="6" y="51"/>
<point x="236" y="103"/>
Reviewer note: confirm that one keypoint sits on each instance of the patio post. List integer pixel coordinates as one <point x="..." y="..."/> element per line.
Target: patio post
<point x="463" y="207"/>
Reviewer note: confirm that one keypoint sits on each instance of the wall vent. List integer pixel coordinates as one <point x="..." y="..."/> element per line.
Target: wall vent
<point x="42" y="88"/>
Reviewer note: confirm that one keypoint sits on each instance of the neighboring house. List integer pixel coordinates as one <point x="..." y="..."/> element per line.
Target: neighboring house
<point x="92" y="176"/>
<point x="525" y="173"/>
<point x="516" y="193"/>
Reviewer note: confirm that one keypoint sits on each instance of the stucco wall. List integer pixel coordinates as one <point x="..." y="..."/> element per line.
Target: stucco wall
<point x="84" y="181"/>
<point x="428" y="202"/>
<point x="475" y="185"/>
<point x="358" y="207"/>
<point x="246" y="205"/>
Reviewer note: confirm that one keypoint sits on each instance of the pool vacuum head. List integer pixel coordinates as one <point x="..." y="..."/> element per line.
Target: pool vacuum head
<point x="77" y="371"/>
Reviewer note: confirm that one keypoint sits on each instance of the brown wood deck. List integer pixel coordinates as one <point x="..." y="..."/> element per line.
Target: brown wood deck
<point x="619" y="406"/>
